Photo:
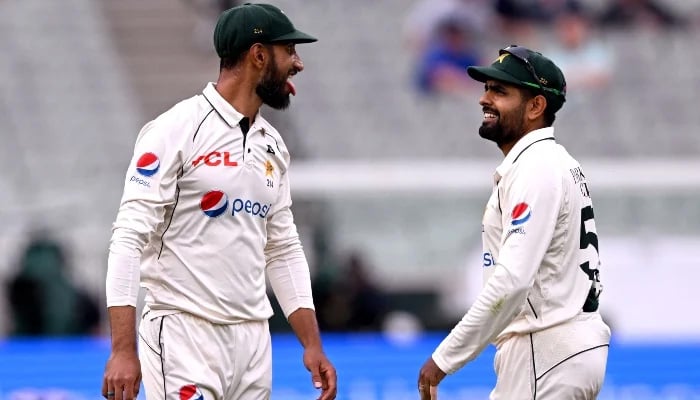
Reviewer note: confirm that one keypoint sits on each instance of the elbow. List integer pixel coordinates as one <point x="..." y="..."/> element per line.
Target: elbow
<point x="126" y="240"/>
<point x="509" y="300"/>
<point x="283" y="250"/>
<point x="520" y="289"/>
<point x="516" y="286"/>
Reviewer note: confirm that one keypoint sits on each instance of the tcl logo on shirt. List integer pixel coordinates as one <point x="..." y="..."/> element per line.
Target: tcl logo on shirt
<point x="214" y="159"/>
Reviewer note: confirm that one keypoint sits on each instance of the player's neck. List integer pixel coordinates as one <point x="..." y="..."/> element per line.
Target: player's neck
<point x="240" y="93"/>
<point x="507" y="147"/>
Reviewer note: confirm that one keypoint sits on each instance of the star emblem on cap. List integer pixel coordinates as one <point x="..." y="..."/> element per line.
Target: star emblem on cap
<point x="502" y="57"/>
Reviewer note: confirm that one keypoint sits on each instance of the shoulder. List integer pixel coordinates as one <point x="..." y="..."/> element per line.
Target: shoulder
<point x="544" y="162"/>
<point x="181" y="120"/>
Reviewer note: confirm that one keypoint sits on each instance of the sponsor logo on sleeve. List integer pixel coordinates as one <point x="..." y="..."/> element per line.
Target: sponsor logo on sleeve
<point x="139" y="181"/>
<point x="148" y="164"/>
<point x="521" y="213"/>
<point x="519" y="216"/>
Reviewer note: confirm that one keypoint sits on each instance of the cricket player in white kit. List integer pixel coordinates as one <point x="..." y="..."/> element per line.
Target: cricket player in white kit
<point x="204" y="218"/>
<point x="539" y="303"/>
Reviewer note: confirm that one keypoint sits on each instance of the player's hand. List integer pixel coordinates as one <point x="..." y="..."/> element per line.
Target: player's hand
<point x="429" y="378"/>
<point x="122" y="377"/>
<point x="322" y="372"/>
<point x="430" y="394"/>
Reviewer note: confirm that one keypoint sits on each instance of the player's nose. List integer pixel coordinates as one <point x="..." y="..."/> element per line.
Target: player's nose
<point x="298" y="64"/>
<point x="483" y="100"/>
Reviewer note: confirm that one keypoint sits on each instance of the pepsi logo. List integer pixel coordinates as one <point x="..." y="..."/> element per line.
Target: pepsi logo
<point x="191" y="392"/>
<point x="214" y="203"/>
<point x="148" y="164"/>
<point x="521" y="213"/>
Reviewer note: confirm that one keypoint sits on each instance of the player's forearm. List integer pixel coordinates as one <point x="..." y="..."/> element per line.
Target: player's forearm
<point x="496" y="307"/>
<point x="122" y="321"/>
<point x="305" y="326"/>
<point x="291" y="282"/>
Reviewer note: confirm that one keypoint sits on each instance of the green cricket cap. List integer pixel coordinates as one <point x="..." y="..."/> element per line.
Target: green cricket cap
<point x="526" y="68"/>
<point x="242" y="26"/>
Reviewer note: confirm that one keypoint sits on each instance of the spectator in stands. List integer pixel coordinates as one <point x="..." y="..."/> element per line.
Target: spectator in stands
<point x="623" y="13"/>
<point x="350" y="301"/>
<point x="450" y="52"/>
<point x="425" y="15"/>
<point x="520" y="18"/>
<point x="585" y="60"/>
<point x="538" y="11"/>
<point x="43" y="300"/>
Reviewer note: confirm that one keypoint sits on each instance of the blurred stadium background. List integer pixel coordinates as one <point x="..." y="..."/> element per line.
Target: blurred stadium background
<point x="389" y="179"/>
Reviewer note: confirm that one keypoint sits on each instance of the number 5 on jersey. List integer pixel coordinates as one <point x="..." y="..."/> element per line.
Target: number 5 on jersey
<point x="589" y="238"/>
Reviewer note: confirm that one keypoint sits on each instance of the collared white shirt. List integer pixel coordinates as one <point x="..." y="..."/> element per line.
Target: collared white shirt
<point x="208" y="206"/>
<point x="539" y="250"/>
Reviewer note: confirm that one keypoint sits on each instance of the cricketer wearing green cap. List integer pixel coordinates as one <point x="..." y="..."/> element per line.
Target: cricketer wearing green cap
<point x="541" y="296"/>
<point x="205" y="220"/>
<point x="240" y="27"/>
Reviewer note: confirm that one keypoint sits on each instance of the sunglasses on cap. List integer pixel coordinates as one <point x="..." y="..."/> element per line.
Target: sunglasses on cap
<point x="522" y="54"/>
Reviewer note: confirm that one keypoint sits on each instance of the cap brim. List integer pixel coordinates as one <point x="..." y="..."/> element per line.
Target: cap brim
<point x="483" y="74"/>
<point x="295" y="37"/>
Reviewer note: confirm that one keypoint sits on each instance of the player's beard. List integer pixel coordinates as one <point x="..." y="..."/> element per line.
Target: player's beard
<point x="508" y="128"/>
<point x="271" y="87"/>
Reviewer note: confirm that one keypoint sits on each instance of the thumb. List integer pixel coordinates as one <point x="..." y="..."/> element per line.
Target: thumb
<point x="316" y="376"/>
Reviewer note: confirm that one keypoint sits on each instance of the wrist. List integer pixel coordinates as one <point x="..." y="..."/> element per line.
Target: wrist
<point x="124" y="346"/>
<point x="313" y="345"/>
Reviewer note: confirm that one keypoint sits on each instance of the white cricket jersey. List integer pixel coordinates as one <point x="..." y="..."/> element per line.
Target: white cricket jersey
<point x="209" y="207"/>
<point x="540" y="250"/>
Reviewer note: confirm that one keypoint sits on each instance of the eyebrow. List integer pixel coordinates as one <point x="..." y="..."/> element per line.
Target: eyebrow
<point x="494" y="86"/>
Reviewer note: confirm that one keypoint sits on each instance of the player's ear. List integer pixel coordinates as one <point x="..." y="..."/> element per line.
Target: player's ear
<point x="257" y="54"/>
<point x="536" y="107"/>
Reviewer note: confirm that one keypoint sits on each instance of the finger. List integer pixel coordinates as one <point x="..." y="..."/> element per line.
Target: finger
<point x="118" y="392"/>
<point x="330" y="378"/>
<point x="330" y="384"/>
<point x="110" y="392"/>
<point x="424" y="392"/>
<point x="433" y="392"/>
<point x="137" y="386"/>
<point x="129" y="392"/>
<point x="104" y="387"/>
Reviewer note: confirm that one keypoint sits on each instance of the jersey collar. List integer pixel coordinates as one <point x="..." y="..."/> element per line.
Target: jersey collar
<point x="520" y="146"/>
<point x="222" y="107"/>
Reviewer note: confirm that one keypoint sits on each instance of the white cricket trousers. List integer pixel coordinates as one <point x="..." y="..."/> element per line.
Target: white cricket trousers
<point x="566" y="362"/>
<point x="184" y="357"/>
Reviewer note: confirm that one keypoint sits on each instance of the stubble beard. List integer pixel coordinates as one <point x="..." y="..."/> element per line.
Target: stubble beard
<point x="506" y="130"/>
<point x="271" y="88"/>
